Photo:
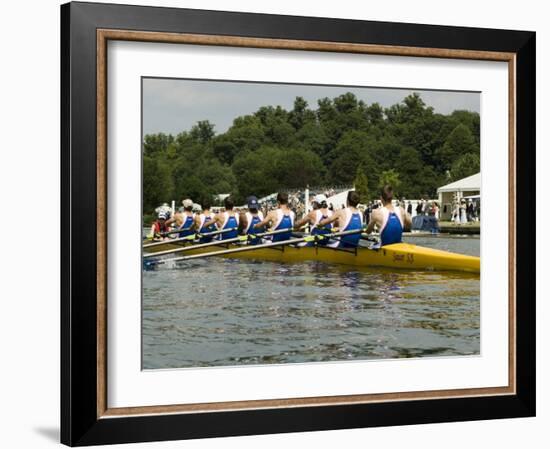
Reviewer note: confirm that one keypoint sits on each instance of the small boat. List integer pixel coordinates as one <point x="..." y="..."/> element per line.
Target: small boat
<point x="397" y="255"/>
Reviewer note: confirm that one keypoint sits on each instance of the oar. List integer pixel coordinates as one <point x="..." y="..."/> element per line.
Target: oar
<point x="241" y="238"/>
<point x="164" y="234"/>
<point x="189" y="237"/>
<point x="309" y="238"/>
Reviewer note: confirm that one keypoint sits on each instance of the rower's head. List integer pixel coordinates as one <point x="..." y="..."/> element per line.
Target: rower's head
<point x="187" y="205"/>
<point x="386" y="194"/>
<point x="282" y="199"/>
<point x="206" y="206"/>
<point x="228" y="203"/>
<point x="319" y="202"/>
<point x="162" y="217"/>
<point x="252" y="203"/>
<point x="353" y="198"/>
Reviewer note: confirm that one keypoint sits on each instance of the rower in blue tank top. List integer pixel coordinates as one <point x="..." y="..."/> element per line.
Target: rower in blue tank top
<point x="184" y="219"/>
<point x="389" y="219"/>
<point x="250" y="219"/>
<point x="200" y="221"/>
<point x="281" y="218"/>
<point x="313" y="218"/>
<point x="226" y="220"/>
<point x="349" y="219"/>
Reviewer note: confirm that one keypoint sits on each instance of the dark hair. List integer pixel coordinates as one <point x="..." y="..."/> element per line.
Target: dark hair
<point x="353" y="198"/>
<point x="188" y="209"/>
<point x="228" y="203"/>
<point x="282" y="198"/>
<point x="387" y="193"/>
<point x="253" y="210"/>
<point x="206" y="205"/>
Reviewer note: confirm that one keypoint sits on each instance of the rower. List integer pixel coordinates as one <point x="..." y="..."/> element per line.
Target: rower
<point x="228" y="219"/>
<point x="389" y="219"/>
<point x="159" y="227"/>
<point x="203" y="217"/>
<point x="250" y="219"/>
<point x="280" y="218"/>
<point x="349" y="219"/>
<point x="320" y="212"/>
<point x="184" y="218"/>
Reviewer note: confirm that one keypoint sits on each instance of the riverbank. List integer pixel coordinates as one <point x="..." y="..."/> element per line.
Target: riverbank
<point x="449" y="227"/>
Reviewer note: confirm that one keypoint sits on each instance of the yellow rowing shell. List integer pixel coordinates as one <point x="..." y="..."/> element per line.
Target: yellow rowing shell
<point x="398" y="255"/>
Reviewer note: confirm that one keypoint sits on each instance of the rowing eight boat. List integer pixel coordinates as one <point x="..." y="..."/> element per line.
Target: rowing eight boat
<point x="397" y="255"/>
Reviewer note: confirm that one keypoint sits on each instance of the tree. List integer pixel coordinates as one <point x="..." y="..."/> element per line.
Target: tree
<point x="389" y="177"/>
<point x="297" y="168"/>
<point x="300" y="115"/>
<point x="343" y="140"/>
<point x="458" y="143"/>
<point x="157" y="183"/>
<point x="156" y="143"/>
<point x="361" y="184"/>
<point x="466" y="165"/>
<point x="256" y="173"/>
<point x="353" y="149"/>
<point x="203" y="131"/>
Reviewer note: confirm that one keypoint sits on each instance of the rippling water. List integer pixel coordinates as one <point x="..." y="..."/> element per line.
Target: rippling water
<point x="219" y="312"/>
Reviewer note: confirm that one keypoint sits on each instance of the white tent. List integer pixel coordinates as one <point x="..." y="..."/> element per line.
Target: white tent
<point x="339" y="199"/>
<point x="469" y="184"/>
<point x="449" y="194"/>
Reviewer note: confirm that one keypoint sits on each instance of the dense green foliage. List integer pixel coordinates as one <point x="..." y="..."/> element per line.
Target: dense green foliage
<point x="343" y="141"/>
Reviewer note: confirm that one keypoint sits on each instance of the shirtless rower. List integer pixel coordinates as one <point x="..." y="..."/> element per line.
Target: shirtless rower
<point x="389" y="220"/>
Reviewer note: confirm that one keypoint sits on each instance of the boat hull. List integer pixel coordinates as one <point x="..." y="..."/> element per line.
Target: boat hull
<point x="398" y="255"/>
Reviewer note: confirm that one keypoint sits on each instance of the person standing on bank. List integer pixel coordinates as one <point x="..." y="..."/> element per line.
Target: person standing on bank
<point x="390" y="220"/>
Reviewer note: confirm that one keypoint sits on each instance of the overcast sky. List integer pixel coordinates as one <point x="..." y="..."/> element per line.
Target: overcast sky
<point x="172" y="106"/>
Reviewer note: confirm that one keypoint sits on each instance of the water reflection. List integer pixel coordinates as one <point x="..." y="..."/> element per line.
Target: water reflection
<point x="229" y="312"/>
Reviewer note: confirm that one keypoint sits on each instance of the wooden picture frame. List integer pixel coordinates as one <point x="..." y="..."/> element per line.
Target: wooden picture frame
<point x="86" y="29"/>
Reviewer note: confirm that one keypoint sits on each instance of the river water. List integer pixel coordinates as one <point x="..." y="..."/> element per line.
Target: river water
<point x="223" y="312"/>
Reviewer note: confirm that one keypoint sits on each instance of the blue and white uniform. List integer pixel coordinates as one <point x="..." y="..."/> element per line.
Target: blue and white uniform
<point x="327" y="229"/>
<point x="187" y="223"/>
<point x="352" y="221"/>
<point x="203" y="218"/>
<point x="284" y="221"/>
<point x="392" y="226"/>
<point x="231" y="221"/>
<point x="251" y="221"/>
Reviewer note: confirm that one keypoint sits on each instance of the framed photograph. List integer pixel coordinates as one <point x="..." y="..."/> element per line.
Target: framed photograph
<point x="274" y="224"/>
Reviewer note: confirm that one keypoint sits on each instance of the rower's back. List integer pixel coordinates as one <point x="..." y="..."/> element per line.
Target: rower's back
<point x="203" y="218"/>
<point x="321" y="214"/>
<point x="188" y="218"/>
<point x="352" y="220"/>
<point x="284" y="219"/>
<point x="230" y="220"/>
<point x="253" y="217"/>
<point x="391" y="229"/>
